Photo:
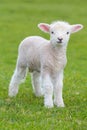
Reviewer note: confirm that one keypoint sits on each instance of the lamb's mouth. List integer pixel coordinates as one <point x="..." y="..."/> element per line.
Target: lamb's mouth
<point x="59" y="42"/>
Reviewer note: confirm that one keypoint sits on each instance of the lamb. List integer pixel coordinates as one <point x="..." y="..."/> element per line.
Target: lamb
<point x="46" y="60"/>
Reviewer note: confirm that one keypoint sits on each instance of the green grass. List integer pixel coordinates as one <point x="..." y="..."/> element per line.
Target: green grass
<point x="19" y="19"/>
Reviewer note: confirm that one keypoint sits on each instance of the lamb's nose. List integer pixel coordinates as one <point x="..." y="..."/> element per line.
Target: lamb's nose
<point x="60" y="39"/>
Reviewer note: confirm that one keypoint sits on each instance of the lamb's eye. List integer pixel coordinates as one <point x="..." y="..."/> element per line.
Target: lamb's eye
<point x="52" y="32"/>
<point x="67" y="33"/>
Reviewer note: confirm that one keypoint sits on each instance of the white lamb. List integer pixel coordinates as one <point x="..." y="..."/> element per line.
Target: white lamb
<point x="46" y="60"/>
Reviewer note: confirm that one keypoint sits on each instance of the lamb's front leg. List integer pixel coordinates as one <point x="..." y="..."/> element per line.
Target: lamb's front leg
<point x="58" y="100"/>
<point x="48" y="91"/>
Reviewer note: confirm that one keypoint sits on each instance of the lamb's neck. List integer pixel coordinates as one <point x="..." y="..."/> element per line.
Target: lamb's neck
<point x="58" y="50"/>
<point x="58" y="57"/>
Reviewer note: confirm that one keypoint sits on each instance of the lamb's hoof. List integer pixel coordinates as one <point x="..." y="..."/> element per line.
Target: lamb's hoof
<point x="39" y="94"/>
<point x="48" y="105"/>
<point x="59" y="104"/>
<point x="12" y="92"/>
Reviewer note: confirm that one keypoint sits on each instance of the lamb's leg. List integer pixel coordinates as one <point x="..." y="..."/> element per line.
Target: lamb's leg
<point x="36" y="83"/>
<point x="48" y="91"/>
<point x="58" y="100"/>
<point x="17" y="78"/>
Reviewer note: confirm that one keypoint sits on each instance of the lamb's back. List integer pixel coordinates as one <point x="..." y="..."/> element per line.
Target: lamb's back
<point x="29" y="51"/>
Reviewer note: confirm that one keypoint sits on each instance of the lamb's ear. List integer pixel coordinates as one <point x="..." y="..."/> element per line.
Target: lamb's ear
<point x="44" y="27"/>
<point x="76" y="28"/>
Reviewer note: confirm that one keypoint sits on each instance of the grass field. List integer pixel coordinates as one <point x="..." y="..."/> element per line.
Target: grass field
<point x="19" y="19"/>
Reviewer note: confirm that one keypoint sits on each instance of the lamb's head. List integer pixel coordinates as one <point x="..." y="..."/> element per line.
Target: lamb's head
<point x="59" y="31"/>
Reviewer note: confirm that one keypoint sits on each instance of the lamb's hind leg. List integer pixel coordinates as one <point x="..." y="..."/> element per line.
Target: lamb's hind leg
<point x="17" y="78"/>
<point x="36" y="83"/>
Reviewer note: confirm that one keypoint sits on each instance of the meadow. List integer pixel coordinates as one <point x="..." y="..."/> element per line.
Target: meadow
<point x="19" y="19"/>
